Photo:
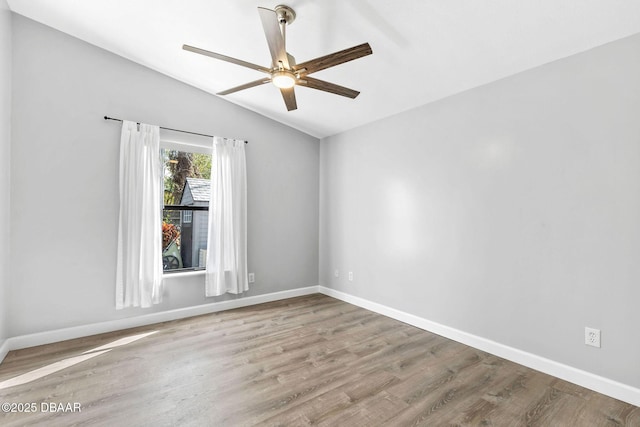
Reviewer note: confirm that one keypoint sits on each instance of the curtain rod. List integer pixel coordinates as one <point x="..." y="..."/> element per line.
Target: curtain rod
<point x="175" y="130"/>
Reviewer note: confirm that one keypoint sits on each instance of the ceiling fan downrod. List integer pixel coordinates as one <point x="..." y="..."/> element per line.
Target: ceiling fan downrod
<point x="286" y="16"/>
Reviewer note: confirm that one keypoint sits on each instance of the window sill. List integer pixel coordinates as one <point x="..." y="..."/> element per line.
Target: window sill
<point x="183" y="274"/>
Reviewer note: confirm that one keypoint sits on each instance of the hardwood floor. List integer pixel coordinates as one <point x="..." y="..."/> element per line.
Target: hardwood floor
<point x="302" y="361"/>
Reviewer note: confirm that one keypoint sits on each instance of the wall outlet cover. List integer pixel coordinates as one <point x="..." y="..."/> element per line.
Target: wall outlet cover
<point x="592" y="337"/>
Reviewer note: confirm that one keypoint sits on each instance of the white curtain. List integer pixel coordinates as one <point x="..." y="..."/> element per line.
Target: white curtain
<point x="139" y="264"/>
<point x="227" y="241"/>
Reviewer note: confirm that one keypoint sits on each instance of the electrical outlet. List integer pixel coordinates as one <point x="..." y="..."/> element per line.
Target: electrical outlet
<point x="351" y="276"/>
<point x="252" y="277"/>
<point x="592" y="337"/>
<point x="336" y="274"/>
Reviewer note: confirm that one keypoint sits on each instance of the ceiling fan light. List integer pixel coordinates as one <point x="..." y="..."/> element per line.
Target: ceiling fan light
<point x="283" y="79"/>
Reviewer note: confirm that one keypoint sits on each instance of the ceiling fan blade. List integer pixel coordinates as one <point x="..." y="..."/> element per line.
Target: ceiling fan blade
<point x="226" y="58"/>
<point x="244" y="86"/>
<point x="289" y="97"/>
<point x="327" y="87"/>
<point x="274" y="36"/>
<point x="334" y="59"/>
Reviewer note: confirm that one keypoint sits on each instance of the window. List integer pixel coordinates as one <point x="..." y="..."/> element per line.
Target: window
<point x="187" y="190"/>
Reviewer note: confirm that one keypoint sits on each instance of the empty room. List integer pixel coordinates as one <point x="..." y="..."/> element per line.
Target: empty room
<point x="363" y="213"/>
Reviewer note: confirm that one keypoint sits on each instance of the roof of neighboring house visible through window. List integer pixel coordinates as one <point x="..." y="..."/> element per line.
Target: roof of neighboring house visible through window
<point x="199" y="189"/>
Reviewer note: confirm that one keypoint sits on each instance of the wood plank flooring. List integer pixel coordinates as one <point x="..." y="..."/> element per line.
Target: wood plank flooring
<point x="310" y="360"/>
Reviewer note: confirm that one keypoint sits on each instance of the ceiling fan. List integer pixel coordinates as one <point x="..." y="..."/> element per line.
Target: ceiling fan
<point x="284" y="73"/>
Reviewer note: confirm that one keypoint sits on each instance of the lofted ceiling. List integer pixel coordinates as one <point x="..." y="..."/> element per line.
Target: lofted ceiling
<point x="423" y="50"/>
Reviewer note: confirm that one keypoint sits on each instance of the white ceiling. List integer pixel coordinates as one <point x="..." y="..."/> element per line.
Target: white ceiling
<point x="423" y="50"/>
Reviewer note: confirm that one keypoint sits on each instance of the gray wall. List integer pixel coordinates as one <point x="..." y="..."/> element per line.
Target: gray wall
<point x="510" y="211"/>
<point x="5" y="161"/>
<point x="65" y="181"/>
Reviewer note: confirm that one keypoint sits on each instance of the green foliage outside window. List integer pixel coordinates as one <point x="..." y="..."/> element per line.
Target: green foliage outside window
<point x="181" y="165"/>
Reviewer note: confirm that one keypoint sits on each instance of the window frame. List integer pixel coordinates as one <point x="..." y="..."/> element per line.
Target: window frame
<point x="173" y="140"/>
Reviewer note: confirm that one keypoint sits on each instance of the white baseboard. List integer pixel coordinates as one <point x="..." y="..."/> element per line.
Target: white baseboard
<point x="48" y="337"/>
<point x="582" y="378"/>
<point x="4" y="349"/>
